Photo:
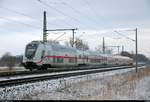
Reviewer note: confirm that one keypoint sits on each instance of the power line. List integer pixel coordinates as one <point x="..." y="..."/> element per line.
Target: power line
<point x="77" y="11"/>
<point x="145" y="50"/>
<point x="124" y="36"/>
<point x="70" y="7"/>
<point x="60" y="12"/>
<point x="93" y="11"/>
<point x="7" y="29"/>
<point x="31" y="17"/>
<point x="59" y="36"/>
<point x="19" y="22"/>
<point x="73" y="32"/>
<point x="57" y="10"/>
<point x="136" y="45"/>
<point x="10" y="10"/>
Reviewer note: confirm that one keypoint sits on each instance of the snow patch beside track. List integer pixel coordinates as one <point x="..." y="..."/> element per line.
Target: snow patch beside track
<point x="26" y="91"/>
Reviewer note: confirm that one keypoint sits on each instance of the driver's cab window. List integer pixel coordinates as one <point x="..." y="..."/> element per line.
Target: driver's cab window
<point x="42" y="55"/>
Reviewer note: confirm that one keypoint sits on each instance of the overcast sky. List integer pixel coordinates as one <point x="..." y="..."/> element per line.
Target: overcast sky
<point x="21" y="22"/>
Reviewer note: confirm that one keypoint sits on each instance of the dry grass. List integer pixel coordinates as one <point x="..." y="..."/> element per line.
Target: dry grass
<point x="113" y="87"/>
<point x="6" y="69"/>
<point x="119" y="86"/>
<point x="122" y="85"/>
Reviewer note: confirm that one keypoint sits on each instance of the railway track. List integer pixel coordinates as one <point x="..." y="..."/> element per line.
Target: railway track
<point x="18" y="81"/>
<point x="21" y="73"/>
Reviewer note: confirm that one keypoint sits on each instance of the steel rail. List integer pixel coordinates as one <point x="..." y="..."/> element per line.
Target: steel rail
<point x="20" y="81"/>
<point x="20" y="73"/>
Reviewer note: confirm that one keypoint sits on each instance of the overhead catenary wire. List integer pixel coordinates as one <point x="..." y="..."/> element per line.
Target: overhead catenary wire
<point x="78" y="12"/>
<point x="23" y="14"/>
<point x="8" y="29"/>
<point x="60" y="36"/>
<point x="146" y="50"/>
<point x="14" y="11"/>
<point x="91" y="8"/>
<point x="118" y="39"/>
<point x="124" y="36"/>
<point x="45" y="4"/>
<point x="59" y="11"/>
<point x="64" y="3"/>
<point x="29" y="25"/>
<point x="34" y="27"/>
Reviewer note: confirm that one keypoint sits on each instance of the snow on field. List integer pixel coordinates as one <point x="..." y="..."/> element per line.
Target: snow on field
<point x="122" y="84"/>
<point x="127" y="86"/>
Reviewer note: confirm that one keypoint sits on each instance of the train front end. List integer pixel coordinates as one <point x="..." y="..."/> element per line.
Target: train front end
<point x="30" y="56"/>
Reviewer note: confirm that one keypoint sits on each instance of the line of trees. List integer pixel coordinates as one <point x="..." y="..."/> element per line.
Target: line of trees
<point x="10" y="61"/>
<point x="140" y="57"/>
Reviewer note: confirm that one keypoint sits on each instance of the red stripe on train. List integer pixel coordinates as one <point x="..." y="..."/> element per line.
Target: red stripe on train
<point x="55" y="57"/>
<point x="67" y="57"/>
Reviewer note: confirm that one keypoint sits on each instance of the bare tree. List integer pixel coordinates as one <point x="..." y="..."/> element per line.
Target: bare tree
<point x="99" y="48"/>
<point x="79" y="44"/>
<point x="8" y="60"/>
<point x="11" y="62"/>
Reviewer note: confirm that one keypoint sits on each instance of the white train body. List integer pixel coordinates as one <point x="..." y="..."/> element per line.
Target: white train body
<point x="45" y="55"/>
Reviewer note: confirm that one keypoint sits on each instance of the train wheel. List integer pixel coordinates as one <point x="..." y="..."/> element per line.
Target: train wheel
<point x="43" y="68"/>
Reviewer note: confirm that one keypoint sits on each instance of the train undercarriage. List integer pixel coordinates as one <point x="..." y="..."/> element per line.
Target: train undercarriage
<point x="31" y="66"/>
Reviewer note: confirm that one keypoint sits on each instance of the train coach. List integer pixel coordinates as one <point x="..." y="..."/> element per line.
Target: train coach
<point x="43" y="55"/>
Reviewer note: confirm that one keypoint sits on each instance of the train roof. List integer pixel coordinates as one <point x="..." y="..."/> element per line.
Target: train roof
<point x="58" y="47"/>
<point x="122" y="57"/>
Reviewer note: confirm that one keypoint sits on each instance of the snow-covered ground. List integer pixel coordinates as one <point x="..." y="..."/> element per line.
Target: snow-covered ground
<point x="120" y="84"/>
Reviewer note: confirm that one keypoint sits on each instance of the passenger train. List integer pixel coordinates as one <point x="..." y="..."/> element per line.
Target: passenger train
<point x="43" y="55"/>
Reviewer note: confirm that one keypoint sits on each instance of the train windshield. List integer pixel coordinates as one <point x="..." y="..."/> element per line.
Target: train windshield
<point x="30" y="50"/>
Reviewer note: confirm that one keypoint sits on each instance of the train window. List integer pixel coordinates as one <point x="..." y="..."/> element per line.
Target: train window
<point x="97" y="60"/>
<point x="54" y="60"/>
<point x="92" y="60"/>
<point x="100" y="60"/>
<point x="71" y="60"/>
<point x="30" y="50"/>
<point x="60" y="60"/>
<point x="42" y="55"/>
<point x="87" y="58"/>
<point x="49" y="52"/>
<point x="76" y="59"/>
<point x="79" y="56"/>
